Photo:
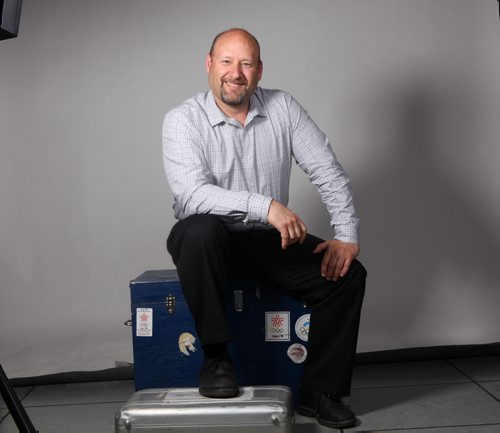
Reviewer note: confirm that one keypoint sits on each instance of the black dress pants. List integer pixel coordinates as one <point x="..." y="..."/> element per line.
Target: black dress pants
<point x="206" y="254"/>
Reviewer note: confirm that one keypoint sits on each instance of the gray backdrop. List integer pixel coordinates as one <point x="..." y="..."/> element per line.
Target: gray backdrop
<point x="407" y="91"/>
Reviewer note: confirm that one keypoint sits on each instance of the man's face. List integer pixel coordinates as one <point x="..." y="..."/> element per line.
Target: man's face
<point x="234" y="69"/>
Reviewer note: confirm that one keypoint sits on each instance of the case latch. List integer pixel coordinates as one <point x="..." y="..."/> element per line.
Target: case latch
<point x="238" y="301"/>
<point x="170" y="303"/>
<point x="258" y="291"/>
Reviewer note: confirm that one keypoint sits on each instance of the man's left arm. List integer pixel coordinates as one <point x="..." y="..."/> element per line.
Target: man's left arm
<point x="337" y="258"/>
<point x="314" y="155"/>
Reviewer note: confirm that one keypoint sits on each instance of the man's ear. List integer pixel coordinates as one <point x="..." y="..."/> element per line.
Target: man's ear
<point x="208" y="62"/>
<point x="261" y="67"/>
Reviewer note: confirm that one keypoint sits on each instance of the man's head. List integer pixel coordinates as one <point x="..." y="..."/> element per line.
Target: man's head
<point x="234" y="68"/>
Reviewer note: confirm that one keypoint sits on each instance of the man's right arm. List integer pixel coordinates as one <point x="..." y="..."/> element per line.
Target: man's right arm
<point x="292" y="229"/>
<point x="192" y="183"/>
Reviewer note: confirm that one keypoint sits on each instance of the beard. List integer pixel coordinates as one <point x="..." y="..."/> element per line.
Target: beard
<point x="233" y="99"/>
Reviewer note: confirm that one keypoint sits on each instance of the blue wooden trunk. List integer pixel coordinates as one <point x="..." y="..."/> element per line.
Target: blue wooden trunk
<point x="269" y="334"/>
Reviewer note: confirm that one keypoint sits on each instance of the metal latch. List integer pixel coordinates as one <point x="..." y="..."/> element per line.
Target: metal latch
<point x="258" y="291"/>
<point x="238" y="300"/>
<point x="128" y="425"/>
<point x="170" y="303"/>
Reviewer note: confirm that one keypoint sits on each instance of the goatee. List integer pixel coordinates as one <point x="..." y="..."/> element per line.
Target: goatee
<point x="234" y="101"/>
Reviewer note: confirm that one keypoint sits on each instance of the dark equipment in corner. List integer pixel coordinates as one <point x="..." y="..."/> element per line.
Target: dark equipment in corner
<point x="10" y="14"/>
<point x="17" y="411"/>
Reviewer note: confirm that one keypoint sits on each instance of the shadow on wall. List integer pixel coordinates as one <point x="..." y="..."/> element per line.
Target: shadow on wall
<point x="419" y="228"/>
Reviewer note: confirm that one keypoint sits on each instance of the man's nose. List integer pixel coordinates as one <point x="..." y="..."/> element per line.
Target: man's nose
<point x="236" y="70"/>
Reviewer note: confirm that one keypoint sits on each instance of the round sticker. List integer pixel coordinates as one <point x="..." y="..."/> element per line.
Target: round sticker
<point x="297" y="353"/>
<point x="302" y="327"/>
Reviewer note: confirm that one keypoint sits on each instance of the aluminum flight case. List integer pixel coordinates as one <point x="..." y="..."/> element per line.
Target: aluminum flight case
<point x="269" y="330"/>
<point x="260" y="409"/>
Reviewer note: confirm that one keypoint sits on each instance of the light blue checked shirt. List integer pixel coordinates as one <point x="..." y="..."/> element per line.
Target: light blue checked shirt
<point x="215" y="165"/>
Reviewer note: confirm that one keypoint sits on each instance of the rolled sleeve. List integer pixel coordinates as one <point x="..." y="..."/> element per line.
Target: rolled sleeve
<point x="258" y="208"/>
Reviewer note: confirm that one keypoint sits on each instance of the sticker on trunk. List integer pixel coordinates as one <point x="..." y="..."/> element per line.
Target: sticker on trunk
<point x="144" y="323"/>
<point x="302" y="327"/>
<point x="186" y="343"/>
<point x="297" y="353"/>
<point x="277" y="326"/>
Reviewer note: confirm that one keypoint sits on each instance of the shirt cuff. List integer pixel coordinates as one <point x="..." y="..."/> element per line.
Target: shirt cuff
<point x="347" y="233"/>
<point x="258" y="208"/>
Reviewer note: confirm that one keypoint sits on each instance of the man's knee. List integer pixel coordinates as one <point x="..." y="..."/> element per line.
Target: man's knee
<point x="358" y="269"/>
<point x="357" y="275"/>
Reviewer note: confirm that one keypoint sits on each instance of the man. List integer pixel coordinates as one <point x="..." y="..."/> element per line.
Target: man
<point x="228" y="155"/>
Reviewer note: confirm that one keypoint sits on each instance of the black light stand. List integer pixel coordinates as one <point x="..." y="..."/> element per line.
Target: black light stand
<point x="21" y="418"/>
<point x="10" y="14"/>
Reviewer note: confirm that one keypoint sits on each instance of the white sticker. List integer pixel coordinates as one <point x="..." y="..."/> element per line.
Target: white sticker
<point x="302" y="327"/>
<point x="277" y="326"/>
<point x="297" y="353"/>
<point x="186" y="343"/>
<point x="144" y="323"/>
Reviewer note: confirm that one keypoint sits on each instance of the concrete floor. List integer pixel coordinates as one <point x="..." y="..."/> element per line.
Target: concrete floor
<point x="442" y="396"/>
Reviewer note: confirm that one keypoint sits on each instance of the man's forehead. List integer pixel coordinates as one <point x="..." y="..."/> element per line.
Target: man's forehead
<point x="235" y="39"/>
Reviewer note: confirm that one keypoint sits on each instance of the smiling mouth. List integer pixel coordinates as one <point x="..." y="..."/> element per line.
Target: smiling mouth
<point x="233" y="93"/>
<point x="232" y="85"/>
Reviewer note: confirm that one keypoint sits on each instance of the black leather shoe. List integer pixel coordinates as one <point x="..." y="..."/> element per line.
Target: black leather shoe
<point x="217" y="379"/>
<point x="328" y="411"/>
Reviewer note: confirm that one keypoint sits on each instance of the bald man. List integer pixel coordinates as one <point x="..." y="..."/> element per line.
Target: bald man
<point x="227" y="155"/>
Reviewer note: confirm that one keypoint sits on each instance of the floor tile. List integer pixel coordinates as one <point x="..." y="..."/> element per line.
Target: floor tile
<point x="20" y="392"/>
<point x="492" y="387"/>
<point x="303" y="424"/>
<point x="412" y="397"/>
<point x="84" y="418"/>
<point x="424" y="406"/>
<point x="463" y="429"/>
<point x="79" y="393"/>
<point x="480" y="368"/>
<point x="406" y="373"/>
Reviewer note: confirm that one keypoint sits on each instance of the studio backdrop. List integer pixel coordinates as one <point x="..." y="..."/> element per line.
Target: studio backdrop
<point x="406" y="90"/>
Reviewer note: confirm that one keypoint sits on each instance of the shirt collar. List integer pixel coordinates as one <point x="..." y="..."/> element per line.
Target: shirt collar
<point x="256" y="107"/>
<point x="216" y="116"/>
<point x="214" y="113"/>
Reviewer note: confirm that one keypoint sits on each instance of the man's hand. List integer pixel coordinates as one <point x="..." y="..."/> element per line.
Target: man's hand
<point x="290" y="226"/>
<point x="337" y="259"/>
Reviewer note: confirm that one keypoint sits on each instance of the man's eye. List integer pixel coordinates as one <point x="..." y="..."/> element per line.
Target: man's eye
<point x="226" y="62"/>
<point x="246" y="65"/>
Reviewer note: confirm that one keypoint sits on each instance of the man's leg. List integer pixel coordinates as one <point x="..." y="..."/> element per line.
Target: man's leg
<point x="336" y="308"/>
<point x="333" y="335"/>
<point x="202" y="253"/>
<point x="335" y="313"/>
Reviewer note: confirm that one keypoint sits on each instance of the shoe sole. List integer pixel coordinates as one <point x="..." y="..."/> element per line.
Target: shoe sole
<point x="305" y="411"/>
<point x="342" y="424"/>
<point x="219" y="392"/>
<point x="311" y="413"/>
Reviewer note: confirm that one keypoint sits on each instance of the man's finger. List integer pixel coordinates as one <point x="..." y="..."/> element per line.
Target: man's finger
<point x="320" y="247"/>
<point x="345" y="268"/>
<point x="284" y="239"/>
<point x="338" y="268"/>
<point x="304" y="232"/>
<point x="294" y="232"/>
<point x="326" y="265"/>
<point x="330" y="273"/>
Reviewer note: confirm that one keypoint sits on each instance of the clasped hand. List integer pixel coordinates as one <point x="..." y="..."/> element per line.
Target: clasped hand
<point x="338" y="255"/>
